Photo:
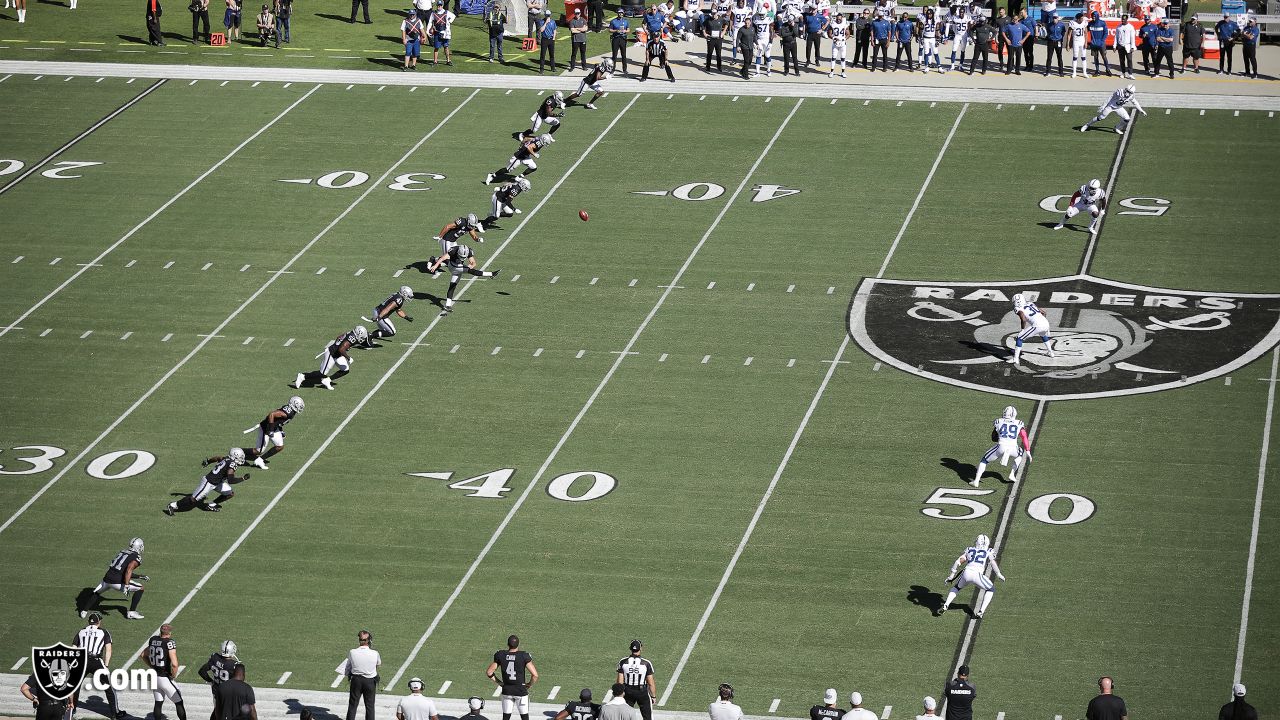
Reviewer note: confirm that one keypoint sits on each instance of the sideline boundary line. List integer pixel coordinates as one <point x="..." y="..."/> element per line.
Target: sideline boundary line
<point x="409" y="348"/>
<point x="564" y="438"/>
<point x="206" y="339"/>
<point x="1257" y="514"/>
<point x="83" y="135"/>
<point x="804" y="423"/>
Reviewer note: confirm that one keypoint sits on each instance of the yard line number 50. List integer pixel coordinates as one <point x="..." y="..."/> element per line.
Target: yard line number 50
<point x="1081" y="507"/>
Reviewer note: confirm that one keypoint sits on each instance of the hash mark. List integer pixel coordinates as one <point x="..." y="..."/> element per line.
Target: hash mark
<point x="536" y="353"/>
<point x="706" y="359"/>
<point x="288" y="342"/>
<point x="1227" y="380"/>
<point x="286" y="85"/>
<point x="46" y="332"/>
<point x="1202" y="112"/>
<point x="580" y="354"/>
<point x="497" y="691"/>
<point x="181" y="668"/>
<point x="55" y="261"/>
<point x="1000" y="716"/>
<point x="130" y="263"/>
<point x="454" y="349"/>
<point x="397" y="273"/>
<point x="207" y="266"/>
<point x="335" y="682"/>
<point x="875" y="368"/>
<point x="662" y="357"/>
<point x="791" y="362"/>
<point x="594" y="280"/>
<point x="748" y="361"/>
<point x="554" y="279"/>
<point x="554" y="691"/>
<point x="224" y="83"/>
<point x="86" y="334"/>
<point x="243" y="268"/>
<point x="1167" y="111"/>
<point x="711" y="285"/>
<point x="768" y="99"/>
<point x="885" y="715"/>
<point x="735" y="98"/>
<point x="445" y="90"/>
<point x="359" y="272"/>
<point x="444" y="687"/>
<point x="415" y="87"/>
<point x="704" y="97"/>
<point x="831" y="289"/>
<point x="773" y="706"/>
<point x="515" y="277"/>
<point x="1033" y="107"/>
<point x="751" y="286"/>
<point x="17" y="260"/>
<point x="321" y="270"/>
<point x="126" y="335"/>
<point x="167" y="337"/>
<point x="193" y="82"/>
<point x="1235" y="114"/>
<point x="247" y="340"/>
<point x="348" y="87"/>
<point x="168" y="265"/>
<point x="633" y="282"/>
<point x="791" y="288"/>
<point x="19" y="663"/>
<point x="256" y="84"/>
<point x="1066" y="108"/>
<point x="668" y="97"/>
<point x="284" y="677"/>
<point x="381" y="88"/>
<point x="899" y="103"/>
<point x="496" y="350"/>
<point x="866" y="103"/>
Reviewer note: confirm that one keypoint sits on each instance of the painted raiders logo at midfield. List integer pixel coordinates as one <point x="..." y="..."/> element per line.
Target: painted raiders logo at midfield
<point x="1110" y="338"/>
<point x="59" y="669"/>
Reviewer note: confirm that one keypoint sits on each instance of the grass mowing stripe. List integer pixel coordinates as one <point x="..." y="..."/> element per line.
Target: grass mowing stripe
<point x="1087" y="260"/>
<point x="139" y="226"/>
<point x="1006" y="514"/>
<point x="82" y="135"/>
<point x="622" y="356"/>
<point x="206" y="339"/>
<point x="804" y="423"/>
<point x="391" y="370"/>
<point x="1257" y="514"/>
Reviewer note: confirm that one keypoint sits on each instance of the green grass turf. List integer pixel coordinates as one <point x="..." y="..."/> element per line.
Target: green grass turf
<point x="836" y="584"/>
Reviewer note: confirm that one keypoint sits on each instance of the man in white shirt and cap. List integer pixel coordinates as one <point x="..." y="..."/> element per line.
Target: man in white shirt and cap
<point x="856" y="711"/>
<point x="930" y="708"/>
<point x="416" y="706"/>
<point x="724" y="708"/>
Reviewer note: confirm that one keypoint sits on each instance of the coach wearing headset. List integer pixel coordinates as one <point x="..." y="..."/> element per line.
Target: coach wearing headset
<point x="361" y="667"/>
<point x="416" y="706"/>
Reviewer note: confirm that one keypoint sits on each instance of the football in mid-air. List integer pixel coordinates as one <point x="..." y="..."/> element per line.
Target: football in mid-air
<point x="583" y="214"/>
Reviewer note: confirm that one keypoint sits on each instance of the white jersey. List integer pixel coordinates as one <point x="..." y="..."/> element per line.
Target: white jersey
<point x="1007" y="432"/>
<point x="1088" y="196"/>
<point x="839" y="31"/>
<point x="976" y="558"/>
<point x="740" y="15"/>
<point x="928" y="29"/>
<point x="1079" y="31"/>
<point x="959" y="24"/>
<point x="1118" y="99"/>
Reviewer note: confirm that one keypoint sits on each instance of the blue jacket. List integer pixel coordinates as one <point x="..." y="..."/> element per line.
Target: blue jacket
<point x="1057" y="30"/>
<point x="1147" y="33"/>
<point x="1097" y="33"/>
<point x="1226" y="30"/>
<point x="906" y="29"/>
<point x="547" y="28"/>
<point x="813" y="22"/>
<point x="881" y="28"/>
<point x="1167" y="34"/>
<point x="619" y="26"/>
<point x="1016" y="32"/>
<point x="1030" y="25"/>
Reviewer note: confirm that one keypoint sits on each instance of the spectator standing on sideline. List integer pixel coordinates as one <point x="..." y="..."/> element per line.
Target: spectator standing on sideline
<point x="415" y="706"/>
<point x="983" y="35"/>
<point x="1015" y="34"/>
<point x="362" y="4"/>
<point x="46" y="707"/>
<point x="1126" y="44"/>
<point x="881" y="30"/>
<point x="1249" y="45"/>
<point x="617" y="708"/>
<point x="441" y="30"/>
<point x="959" y="695"/>
<point x="199" y="14"/>
<point x="361" y="667"/>
<point x="1098" y="43"/>
<point x="1147" y="34"/>
<point x="745" y="43"/>
<point x="637" y="677"/>
<point x="1192" y="43"/>
<point x="266" y="22"/>
<point x="904" y="30"/>
<point x="411" y="33"/>
<point x="713" y="32"/>
<point x="546" y="41"/>
<point x="1107" y="705"/>
<point x="788" y="34"/>
<point x="284" y="11"/>
<point x="856" y="711"/>
<point x="1002" y="20"/>
<point x="154" y="11"/>
<point x="861" y="38"/>
<point x="930" y="709"/>
<point x="1227" y="31"/>
<point x="231" y="19"/>
<point x="1055" y="31"/>
<point x="724" y="708"/>
<point x="534" y="8"/>
<point x="1238" y="709"/>
<point x="511" y="664"/>
<point x="595" y="15"/>
<point x="1028" y="47"/>
<point x="815" y="26"/>
<point x="619" y="28"/>
<point x="235" y="697"/>
<point x="578" y="35"/>
<point x="828" y="710"/>
<point x="495" y="18"/>
<point x="1164" y="46"/>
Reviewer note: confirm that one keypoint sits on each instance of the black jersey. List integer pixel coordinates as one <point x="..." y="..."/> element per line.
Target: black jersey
<point x="456" y="259"/>
<point x="579" y="710"/>
<point x="461" y="226"/>
<point x="269" y="425"/>
<point x="158" y="654"/>
<point x="537" y="142"/>
<point x="222" y="470"/>
<point x="596" y="75"/>
<point x="822" y="712"/>
<point x="217" y="670"/>
<point x="509" y="192"/>
<point x="115" y="571"/>
<point x="959" y="696"/>
<point x="511" y="664"/>
<point x="390" y="305"/>
<point x="339" y="347"/>
<point x="656" y="48"/>
<point x="548" y="107"/>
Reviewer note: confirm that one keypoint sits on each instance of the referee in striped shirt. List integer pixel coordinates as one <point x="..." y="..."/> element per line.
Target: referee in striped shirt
<point x="98" y="644"/>
<point x="636" y="675"/>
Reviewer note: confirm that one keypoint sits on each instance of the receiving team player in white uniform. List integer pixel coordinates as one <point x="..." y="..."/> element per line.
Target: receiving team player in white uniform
<point x="1089" y="197"/>
<point x="1078" y="29"/>
<point x="960" y="25"/>
<point x="838" y="31"/>
<point x="1033" y="323"/>
<point x="975" y="560"/>
<point x="1007" y="433"/>
<point x="1115" y="104"/>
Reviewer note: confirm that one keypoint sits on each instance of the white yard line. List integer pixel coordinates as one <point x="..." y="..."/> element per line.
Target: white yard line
<point x="795" y="439"/>
<point x="324" y="445"/>
<point x="207" y="338"/>
<point x="564" y="438"/>
<point x="81" y="136"/>
<point x="1257" y="514"/>
<point x="1087" y="260"/>
<point x="153" y="216"/>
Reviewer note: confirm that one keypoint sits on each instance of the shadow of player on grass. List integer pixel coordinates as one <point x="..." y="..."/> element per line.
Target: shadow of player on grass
<point x="922" y="596"/>
<point x="295" y="707"/>
<point x="85" y="597"/>
<point x="965" y="471"/>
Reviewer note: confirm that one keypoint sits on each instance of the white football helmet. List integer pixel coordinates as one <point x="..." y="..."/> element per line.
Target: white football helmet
<point x="1019" y="301"/>
<point x="406" y="292"/>
<point x="606" y="65"/>
<point x="416" y="684"/>
<point x="236" y="456"/>
<point x="559" y="96"/>
<point x="1130" y="90"/>
<point x="1010" y="413"/>
<point x="982" y="543"/>
<point x="296" y="404"/>
<point x="227" y="649"/>
<point x="524" y="183"/>
<point x="1095" y="184"/>
<point x="136" y="545"/>
<point x="546" y="139"/>
<point x="361" y="334"/>
<point x="464" y="252"/>
<point x="471" y="220"/>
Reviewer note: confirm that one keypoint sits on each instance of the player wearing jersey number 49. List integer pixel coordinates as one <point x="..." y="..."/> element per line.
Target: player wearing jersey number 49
<point x="1007" y="433"/>
<point x="975" y="560"/>
<point x="1115" y="104"/>
<point x="393" y="305"/>
<point x="1033" y="323"/>
<point x="121" y="576"/>
<point x="508" y="671"/>
<point x="220" y="478"/>
<point x="1089" y="197"/>
<point x="270" y="431"/>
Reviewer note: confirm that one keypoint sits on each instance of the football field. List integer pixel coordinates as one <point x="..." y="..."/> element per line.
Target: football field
<point x="734" y="414"/>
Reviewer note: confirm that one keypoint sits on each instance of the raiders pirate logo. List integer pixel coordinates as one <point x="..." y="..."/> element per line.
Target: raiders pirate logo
<point x="59" y="669"/>
<point x="1109" y="338"/>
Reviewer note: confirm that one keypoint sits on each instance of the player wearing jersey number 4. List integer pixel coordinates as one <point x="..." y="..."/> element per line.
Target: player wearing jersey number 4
<point x="974" y="560"/>
<point x="508" y="671"/>
<point x="1033" y="323"/>
<point x="1007" y="433"/>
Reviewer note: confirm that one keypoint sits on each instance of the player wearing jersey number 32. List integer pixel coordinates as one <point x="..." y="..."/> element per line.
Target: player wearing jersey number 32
<point x="974" y="560"/>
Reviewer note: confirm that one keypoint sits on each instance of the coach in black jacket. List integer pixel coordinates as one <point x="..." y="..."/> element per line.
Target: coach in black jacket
<point x="788" y="33"/>
<point x="746" y="41"/>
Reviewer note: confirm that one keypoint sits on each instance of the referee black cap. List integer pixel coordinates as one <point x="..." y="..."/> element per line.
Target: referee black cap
<point x="95" y="618"/>
<point x="636" y="645"/>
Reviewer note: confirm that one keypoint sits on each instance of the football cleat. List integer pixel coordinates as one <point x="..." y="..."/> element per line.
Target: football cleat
<point x="296" y="404"/>
<point x="939" y="611"/>
<point x="1059" y="226"/>
<point x="982" y="542"/>
<point x="261" y="464"/>
<point x="488" y="178"/>
<point x="1010" y="413"/>
<point x="327" y="383"/>
<point x="591" y="106"/>
<point x="406" y="293"/>
<point x="168" y="509"/>
<point x="1084" y="128"/>
<point x="977" y="614"/>
<point x="236" y="456"/>
<point x="134" y="615"/>
<point x="297" y="382"/>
